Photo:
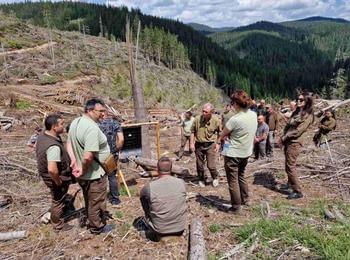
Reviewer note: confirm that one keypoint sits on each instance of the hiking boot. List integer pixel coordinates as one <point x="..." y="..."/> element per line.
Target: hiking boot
<point x="201" y="184"/>
<point x="105" y="229"/>
<point x="65" y="227"/>
<point x="234" y="211"/>
<point x="247" y="203"/>
<point x="115" y="203"/>
<point x="295" y="195"/>
<point x="215" y="183"/>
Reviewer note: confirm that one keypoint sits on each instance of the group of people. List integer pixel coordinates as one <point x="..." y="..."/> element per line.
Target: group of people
<point x="95" y="135"/>
<point x="91" y="139"/>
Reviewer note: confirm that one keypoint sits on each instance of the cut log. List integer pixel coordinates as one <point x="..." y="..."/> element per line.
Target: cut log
<point x="151" y="164"/>
<point x="13" y="235"/>
<point x="197" y="243"/>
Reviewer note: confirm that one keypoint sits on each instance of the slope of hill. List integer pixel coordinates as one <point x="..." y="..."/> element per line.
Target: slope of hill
<point x="321" y="18"/>
<point x="205" y="29"/>
<point x="220" y="67"/>
<point x="30" y="59"/>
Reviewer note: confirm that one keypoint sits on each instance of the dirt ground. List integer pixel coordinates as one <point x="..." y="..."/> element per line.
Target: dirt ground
<point x="30" y="200"/>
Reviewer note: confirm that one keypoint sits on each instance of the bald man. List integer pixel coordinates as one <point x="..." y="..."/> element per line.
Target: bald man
<point x="204" y="141"/>
<point x="164" y="203"/>
<point x="260" y="138"/>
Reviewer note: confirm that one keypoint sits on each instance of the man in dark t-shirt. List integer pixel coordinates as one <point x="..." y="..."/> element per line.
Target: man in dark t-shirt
<point x="115" y="138"/>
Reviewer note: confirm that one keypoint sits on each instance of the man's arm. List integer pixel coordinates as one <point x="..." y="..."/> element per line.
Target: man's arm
<point x="88" y="158"/>
<point x="119" y="140"/>
<point x="54" y="173"/>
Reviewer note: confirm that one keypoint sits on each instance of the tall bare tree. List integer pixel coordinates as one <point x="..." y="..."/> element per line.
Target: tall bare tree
<point x="137" y="92"/>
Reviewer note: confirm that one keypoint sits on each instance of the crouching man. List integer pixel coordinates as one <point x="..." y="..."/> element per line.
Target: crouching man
<point x="53" y="166"/>
<point x="164" y="203"/>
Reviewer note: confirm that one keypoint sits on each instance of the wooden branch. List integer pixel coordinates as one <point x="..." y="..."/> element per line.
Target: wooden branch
<point x="13" y="235"/>
<point x="216" y="203"/>
<point x="151" y="164"/>
<point x="238" y="248"/>
<point x="12" y="164"/>
<point x="197" y="243"/>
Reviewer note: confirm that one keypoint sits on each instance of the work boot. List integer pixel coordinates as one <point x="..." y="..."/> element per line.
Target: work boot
<point x="234" y="211"/>
<point x="295" y="195"/>
<point x="65" y="227"/>
<point x="104" y="230"/>
<point x="215" y="183"/>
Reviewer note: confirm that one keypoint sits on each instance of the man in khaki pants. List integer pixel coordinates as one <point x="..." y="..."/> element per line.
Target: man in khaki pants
<point x="204" y="135"/>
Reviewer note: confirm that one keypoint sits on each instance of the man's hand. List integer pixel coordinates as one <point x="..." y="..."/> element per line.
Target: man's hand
<point x="192" y="147"/>
<point x="217" y="147"/>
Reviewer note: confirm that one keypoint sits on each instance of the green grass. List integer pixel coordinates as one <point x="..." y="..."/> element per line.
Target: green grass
<point x="23" y="104"/>
<point x="123" y="192"/>
<point x="325" y="239"/>
<point x="215" y="228"/>
<point x="119" y="214"/>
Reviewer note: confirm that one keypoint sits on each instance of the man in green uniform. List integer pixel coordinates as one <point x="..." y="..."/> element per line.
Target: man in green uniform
<point x="53" y="166"/>
<point x="204" y="136"/>
<point x="227" y="114"/>
<point x="90" y="148"/>
<point x="326" y="125"/>
<point x="185" y="132"/>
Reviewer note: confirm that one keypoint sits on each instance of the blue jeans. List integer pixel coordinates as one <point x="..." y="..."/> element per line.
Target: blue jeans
<point x="113" y="188"/>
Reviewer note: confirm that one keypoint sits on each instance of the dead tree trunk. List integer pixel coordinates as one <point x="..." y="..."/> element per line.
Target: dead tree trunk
<point x="137" y="93"/>
<point x="151" y="164"/>
<point x="197" y="242"/>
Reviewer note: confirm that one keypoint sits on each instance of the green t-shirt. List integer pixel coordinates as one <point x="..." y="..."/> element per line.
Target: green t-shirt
<point x="186" y="125"/>
<point x="53" y="154"/>
<point x="93" y="140"/>
<point x="206" y="131"/>
<point x="243" y="126"/>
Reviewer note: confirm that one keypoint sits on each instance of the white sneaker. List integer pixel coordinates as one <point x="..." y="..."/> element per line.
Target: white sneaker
<point x="215" y="182"/>
<point x="201" y="184"/>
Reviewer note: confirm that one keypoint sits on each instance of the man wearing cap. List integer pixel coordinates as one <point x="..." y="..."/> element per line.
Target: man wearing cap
<point x="164" y="202"/>
<point x="204" y="141"/>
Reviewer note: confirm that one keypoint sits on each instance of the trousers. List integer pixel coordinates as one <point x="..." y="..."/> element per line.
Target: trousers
<point x="237" y="184"/>
<point x="205" y="151"/>
<point x="291" y="152"/>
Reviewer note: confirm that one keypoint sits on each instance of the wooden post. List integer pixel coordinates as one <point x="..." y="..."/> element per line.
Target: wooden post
<point x="121" y="176"/>
<point x="197" y="243"/>
<point x="158" y="140"/>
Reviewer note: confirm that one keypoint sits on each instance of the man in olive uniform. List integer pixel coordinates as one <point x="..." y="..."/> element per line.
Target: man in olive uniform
<point x="185" y="132"/>
<point x="227" y="114"/>
<point x="204" y="141"/>
<point x="326" y="125"/>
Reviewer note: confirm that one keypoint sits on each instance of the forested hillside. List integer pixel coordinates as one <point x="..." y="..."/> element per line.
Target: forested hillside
<point x="301" y="52"/>
<point x="221" y="67"/>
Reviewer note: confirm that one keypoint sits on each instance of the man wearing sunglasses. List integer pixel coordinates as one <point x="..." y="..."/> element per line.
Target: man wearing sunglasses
<point x="89" y="144"/>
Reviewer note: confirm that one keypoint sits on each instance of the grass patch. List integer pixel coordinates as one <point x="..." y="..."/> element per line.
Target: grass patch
<point x="119" y="214"/>
<point x="22" y="104"/>
<point x="325" y="239"/>
<point x="123" y="192"/>
<point x="214" y="228"/>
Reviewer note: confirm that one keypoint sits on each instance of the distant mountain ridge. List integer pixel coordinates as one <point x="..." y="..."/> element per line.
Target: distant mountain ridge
<point x="321" y="18"/>
<point x="205" y="29"/>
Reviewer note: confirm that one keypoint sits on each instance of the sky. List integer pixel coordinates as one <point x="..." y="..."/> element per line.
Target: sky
<point x="220" y="13"/>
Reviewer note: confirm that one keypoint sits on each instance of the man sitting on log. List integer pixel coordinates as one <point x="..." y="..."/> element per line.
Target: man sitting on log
<point x="53" y="166"/>
<point x="164" y="203"/>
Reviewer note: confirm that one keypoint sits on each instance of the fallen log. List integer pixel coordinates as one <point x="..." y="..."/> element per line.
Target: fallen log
<point x="151" y="164"/>
<point x="13" y="235"/>
<point x="197" y="243"/>
<point x="225" y="206"/>
<point x="333" y="107"/>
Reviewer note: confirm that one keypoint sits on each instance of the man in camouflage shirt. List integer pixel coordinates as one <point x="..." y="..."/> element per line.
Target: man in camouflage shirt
<point x="115" y="138"/>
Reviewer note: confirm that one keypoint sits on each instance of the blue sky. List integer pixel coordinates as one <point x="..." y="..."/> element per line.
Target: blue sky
<point x="218" y="13"/>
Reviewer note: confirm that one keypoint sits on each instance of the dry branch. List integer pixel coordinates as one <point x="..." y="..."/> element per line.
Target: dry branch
<point x="197" y="242"/>
<point x="13" y="235"/>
